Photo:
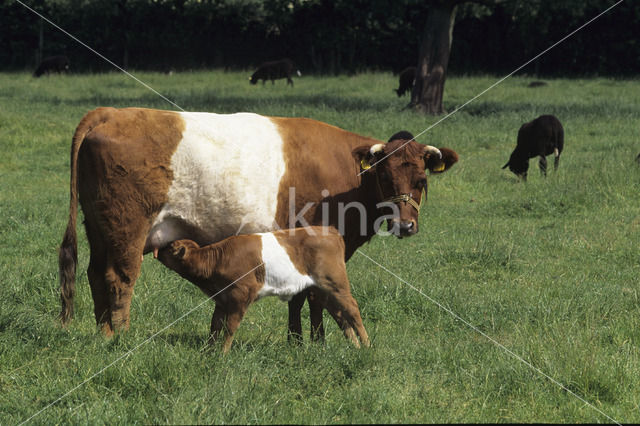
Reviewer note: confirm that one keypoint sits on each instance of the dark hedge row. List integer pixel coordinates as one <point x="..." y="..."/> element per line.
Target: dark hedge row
<point x="321" y="36"/>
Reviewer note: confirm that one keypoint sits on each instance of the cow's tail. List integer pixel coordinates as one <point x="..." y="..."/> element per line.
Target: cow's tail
<point x="68" y="253"/>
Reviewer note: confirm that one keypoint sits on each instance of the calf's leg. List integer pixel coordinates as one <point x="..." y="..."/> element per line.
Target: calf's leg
<point x="217" y="322"/>
<point x="235" y="313"/>
<point x="344" y="309"/>
<point x="226" y="319"/>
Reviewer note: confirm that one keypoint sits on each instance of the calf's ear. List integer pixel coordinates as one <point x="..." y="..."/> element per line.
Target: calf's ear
<point x="367" y="155"/>
<point x="178" y="250"/>
<point x="437" y="164"/>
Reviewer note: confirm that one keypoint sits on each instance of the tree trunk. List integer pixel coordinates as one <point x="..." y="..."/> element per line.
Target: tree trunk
<point x="40" y="51"/>
<point x="433" y="58"/>
<point x="124" y="28"/>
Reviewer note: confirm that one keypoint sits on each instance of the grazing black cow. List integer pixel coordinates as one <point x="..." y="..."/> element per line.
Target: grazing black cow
<point x="275" y="70"/>
<point x="59" y="63"/>
<point x="407" y="77"/>
<point x="540" y="137"/>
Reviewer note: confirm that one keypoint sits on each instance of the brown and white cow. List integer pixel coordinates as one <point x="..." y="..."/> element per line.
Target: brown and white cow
<point x="239" y="270"/>
<point x="145" y="178"/>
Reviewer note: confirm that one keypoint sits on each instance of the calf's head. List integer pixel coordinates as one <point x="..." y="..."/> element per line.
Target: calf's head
<point x="175" y="255"/>
<point x="399" y="169"/>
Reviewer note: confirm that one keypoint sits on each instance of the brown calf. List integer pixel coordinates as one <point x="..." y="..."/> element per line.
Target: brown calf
<point x="241" y="269"/>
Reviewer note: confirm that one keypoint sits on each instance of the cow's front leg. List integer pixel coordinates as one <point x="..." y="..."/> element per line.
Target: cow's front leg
<point x="317" y="301"/>
<point x="295" y="322"/>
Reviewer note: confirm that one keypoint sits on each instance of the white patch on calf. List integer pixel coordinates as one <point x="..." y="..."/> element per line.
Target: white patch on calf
<point x="281" y="279"/>
<point x="226" y="174"/>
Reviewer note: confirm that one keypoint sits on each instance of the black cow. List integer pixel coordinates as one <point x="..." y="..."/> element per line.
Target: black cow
<point x="407" y="77"/>
<point x="540" y="137"/>
<point x="275" y="70"/>
<point x="59" y="63"/>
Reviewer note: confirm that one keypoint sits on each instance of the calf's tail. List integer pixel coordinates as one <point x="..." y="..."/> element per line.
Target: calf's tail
<point x="68" y="253"/>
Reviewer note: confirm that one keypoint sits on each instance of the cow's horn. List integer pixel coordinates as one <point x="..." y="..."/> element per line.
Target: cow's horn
<point x="376" y="148"/>
<point x="428" y="149"/>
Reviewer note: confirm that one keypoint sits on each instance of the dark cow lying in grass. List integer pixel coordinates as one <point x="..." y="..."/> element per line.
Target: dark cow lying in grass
<point x="242" y="269"/>
<point x="51" y="64"/>
<point x="538" y="138"/>
<point x="406" y="78"/>
<point x="275" y="70"/>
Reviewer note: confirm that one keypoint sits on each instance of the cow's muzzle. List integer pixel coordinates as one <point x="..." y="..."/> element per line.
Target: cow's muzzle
<point x="403" y="228"/>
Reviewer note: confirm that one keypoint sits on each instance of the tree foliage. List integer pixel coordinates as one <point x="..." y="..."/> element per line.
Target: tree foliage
<point x="322" y="36"/>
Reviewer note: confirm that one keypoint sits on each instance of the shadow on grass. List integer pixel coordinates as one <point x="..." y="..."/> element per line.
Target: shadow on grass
<point x="186" y="339"/>
<point x="489" y="108"/>
<point x="211" y="101"/>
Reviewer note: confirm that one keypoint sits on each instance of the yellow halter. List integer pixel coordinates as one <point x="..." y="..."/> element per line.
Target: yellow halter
<point x="407" y="198"/>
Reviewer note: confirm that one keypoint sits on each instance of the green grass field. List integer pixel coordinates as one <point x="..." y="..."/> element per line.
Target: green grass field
<point x="550" y="269"/>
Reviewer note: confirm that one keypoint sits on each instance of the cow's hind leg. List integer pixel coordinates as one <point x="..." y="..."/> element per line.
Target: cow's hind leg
<point x="124" y="248"/>
<point x="100" y="292"/>
<point x="543" y="165"/>
<point x="121" y="274"/>
<point x="96" y="273"/>
<point x="112" y="278"/>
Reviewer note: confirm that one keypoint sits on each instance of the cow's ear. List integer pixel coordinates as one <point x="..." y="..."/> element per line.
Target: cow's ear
<point x="437" y="164"/>
<point x="368" y="155"/>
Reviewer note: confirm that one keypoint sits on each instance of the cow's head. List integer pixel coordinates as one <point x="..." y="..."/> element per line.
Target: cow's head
<point x="518" y="164"/>
<point x="399" y="171"/>
<point x="253" y="79"/>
